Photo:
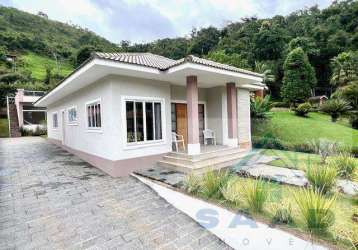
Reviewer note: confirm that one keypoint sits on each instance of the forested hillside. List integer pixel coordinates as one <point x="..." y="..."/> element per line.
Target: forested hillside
<point x="47" y="50"/>
<point x="36" y="52"/>
<point x="263" y="44"/>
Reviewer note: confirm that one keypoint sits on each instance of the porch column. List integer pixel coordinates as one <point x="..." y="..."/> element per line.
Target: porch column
<point x="193" y="115"/>
<point x="232" y="114"/>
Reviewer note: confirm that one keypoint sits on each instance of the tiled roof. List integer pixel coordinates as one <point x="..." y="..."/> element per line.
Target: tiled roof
<point x="144" y="59"/>
<point x="213" y="64"/>
<point x="163" y="63"/>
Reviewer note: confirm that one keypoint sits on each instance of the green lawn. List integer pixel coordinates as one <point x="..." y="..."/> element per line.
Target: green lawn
<point x="287" y="127"/>
<point x="290" y="159"/>
<point x="4" y="127"/>
<point x="37" y="65"/>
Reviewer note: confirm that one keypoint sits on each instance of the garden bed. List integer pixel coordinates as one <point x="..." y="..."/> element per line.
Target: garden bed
<point x="338" y="235"/>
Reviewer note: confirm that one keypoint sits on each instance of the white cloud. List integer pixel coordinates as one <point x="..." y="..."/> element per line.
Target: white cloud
<point x="146" y="20"/>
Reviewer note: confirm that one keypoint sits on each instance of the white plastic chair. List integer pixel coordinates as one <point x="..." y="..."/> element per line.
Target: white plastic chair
<point x="178" y="139"/>
<point x="209" y="135"/>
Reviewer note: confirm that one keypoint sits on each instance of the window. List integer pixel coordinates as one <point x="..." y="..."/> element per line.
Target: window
<point x="94" y="115"/>
<point x="72" y="115"/>
<point x="33" y="115"/>
<point x="54" y="120"/>
<point x="144" y="121"/>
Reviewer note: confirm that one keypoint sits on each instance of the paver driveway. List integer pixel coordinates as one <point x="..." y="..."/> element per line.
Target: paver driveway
<point x="50" y="199"/>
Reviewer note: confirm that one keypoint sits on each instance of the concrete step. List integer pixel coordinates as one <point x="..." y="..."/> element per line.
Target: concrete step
<point x="198" y="166"/>
<point x="204" y="160"/>
<point x="206" y="155"/>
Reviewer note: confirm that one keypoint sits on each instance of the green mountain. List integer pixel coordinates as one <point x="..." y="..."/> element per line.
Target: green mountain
<point x="45" y="51"/>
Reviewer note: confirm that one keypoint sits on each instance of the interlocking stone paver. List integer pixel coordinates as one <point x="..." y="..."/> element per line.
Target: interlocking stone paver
<point x="50" y="199"/>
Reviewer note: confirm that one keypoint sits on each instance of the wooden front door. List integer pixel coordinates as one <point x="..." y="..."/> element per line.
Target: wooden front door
<point x="181" y="121"/>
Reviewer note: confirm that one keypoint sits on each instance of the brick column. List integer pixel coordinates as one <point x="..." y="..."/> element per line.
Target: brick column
<point x="232" y="114"/>
<point x="193" y="115"/>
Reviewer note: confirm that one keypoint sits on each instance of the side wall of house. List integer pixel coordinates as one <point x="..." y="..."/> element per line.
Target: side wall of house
<point x="244" y="123"/>
<point x="77" y="136"/>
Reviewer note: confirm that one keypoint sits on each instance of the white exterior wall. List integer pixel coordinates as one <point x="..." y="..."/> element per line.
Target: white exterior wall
<point x="110" y="141"/>
<point x="77" y="136"/>
<point x="144" y="89"/>
<point x="178" y="93"/>
<point x="243" y="110"/>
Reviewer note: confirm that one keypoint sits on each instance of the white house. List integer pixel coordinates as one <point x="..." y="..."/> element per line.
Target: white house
<point x="118" y="110"/>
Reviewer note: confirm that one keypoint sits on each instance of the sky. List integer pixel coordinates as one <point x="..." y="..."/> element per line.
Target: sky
<point x="148" y="20"/>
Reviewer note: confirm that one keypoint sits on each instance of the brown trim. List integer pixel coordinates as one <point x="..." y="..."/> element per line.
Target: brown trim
<point x="113" y="168"/>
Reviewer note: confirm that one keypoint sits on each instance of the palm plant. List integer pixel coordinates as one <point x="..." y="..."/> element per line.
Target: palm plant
<point x="264" y="69"/>
<point x="335" y="108"/>
<point x="260" y="107"/>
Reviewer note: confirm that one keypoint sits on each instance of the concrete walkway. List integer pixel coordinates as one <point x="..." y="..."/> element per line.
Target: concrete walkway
<point x="238" y="231"/>
<point x="50" y="199"/>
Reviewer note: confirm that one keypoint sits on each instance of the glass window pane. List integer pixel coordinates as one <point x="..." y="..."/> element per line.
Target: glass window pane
<point x="158" y="120"/>
<point x="149" y="120"/>
<point x="89" y="116"/>
<point x="139" y="121"/>
<point x="93" y="115"/>
<point x="174" y="118"/>
<point x="130" y="121"/>
<point x="99" y="124"/>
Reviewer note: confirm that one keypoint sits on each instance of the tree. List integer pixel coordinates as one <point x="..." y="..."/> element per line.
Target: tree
<point x="269" y="42"/>
<point x="299" y="77"/>
<point x="307" y="44"/>
<point x="204" y="40"/>
<point x="344" y="68"/>
<point x="84" y="53"/>
<point x="264" y="69"/>
<point x="235" y="60"/>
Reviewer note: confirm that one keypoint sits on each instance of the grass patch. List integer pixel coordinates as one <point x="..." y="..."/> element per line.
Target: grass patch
<point x="287" y="127"/>
<point x="37" y="65"/>
<point x="4" y="127"/>
<point x="290" y="159"/>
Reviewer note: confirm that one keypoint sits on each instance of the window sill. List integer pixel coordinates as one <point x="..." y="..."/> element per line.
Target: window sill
<point x="137" y="145"/>
<point x="93" y="130"/>
<point x="72" y="124"/>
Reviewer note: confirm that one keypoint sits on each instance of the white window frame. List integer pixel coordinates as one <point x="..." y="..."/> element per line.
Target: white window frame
<point x="94" y="129"/>
<point x="145" y="143"/>
<point x="52" y="120"/>
<point x="74" y="122"/>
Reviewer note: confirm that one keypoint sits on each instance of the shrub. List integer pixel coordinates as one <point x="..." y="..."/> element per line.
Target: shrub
<point x="315" y="209"/>
<point x="321" y="177"/>
<point x="231" y="192"/>
<point x="280" y="105"/>
<point x="255" y="193"/>
<point x="260" y="107"/>
<point x="212" y="183"/>
<point x="303" y="109"/>
<point x="345" y="165"/>
<point x="353" y="120"/>
<point x="324" y="148"/>
<point x="283" y="214"/>
<point x="335" y="108"/>
<point x="192" y="183"/>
